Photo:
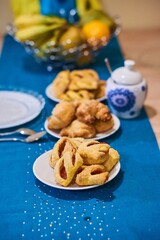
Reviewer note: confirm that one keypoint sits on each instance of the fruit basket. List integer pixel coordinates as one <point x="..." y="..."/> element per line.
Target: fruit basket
<point x="56" y="43"/>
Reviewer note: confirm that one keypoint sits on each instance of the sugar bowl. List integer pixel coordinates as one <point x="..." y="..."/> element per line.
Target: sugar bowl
<point x="126" y="91"/>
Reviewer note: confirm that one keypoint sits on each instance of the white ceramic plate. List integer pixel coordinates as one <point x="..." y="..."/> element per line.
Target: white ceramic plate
<point x="44" y="173"/>
<point x="51" y="95"/>
<point x="56" y="133"/>
<point x="17" y="107"/>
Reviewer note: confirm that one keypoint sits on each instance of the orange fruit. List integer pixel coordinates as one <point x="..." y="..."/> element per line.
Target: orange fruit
<point x="96" y="30"/>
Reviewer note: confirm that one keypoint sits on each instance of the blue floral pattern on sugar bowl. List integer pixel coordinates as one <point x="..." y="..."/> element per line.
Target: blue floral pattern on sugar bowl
<point x="121" y="99"/>
<point x="126" y="91"/>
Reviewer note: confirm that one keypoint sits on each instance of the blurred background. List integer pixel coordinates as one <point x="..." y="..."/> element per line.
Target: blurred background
<point x="143" y="14"/>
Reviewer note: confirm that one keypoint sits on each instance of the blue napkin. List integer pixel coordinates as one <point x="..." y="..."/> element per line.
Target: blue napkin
<point x="128" y="207"/>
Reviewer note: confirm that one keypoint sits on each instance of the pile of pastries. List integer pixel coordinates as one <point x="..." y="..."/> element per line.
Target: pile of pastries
<point x="82" y="161"/>
<point x="80" y="118"/>
<point x="78" y="84"/>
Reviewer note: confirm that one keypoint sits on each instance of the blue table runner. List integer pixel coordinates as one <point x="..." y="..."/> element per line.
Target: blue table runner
<point x="128" y="207"/>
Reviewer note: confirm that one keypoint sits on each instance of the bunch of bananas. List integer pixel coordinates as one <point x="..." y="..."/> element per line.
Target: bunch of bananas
<point x="42" y="31"/>
<point x="39" y="29"/>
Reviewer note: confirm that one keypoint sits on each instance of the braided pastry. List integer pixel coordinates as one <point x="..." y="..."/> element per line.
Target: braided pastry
<point x="76" y="95"/>
<point x="100" y="92"/>
<point x="112" y="159"/>
<point x="81" y="161"/>
<point x="61" y="146"/>
<point x="92" y="175"/>
<point x="93" y="152"/>
<point x="61" y="82"/>
<point x="83" y="79"/>
<point x="66" y="168"/>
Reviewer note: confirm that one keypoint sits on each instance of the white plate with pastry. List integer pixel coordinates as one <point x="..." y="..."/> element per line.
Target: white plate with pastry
<point x="47" y="176"/>
<point x="56" y="133"/>
<point x="51" y="94"/>
<point x="19" y="107"/>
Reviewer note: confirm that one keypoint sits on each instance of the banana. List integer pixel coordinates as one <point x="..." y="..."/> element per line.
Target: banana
<point x="20" y="7"/>
<point x="38" y="42"/>
<point x="83" y="6"/>
<point x="24" y="21"/>
<point x="34" y="32"/>
<point x="48" y="45"/>
<point x="52" y="41"/>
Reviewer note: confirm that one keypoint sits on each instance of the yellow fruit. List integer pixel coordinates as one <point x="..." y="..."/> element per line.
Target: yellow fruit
<point x="33" y="32"/>
<point x="96" y="30"/>
<point x="71" y="38"/>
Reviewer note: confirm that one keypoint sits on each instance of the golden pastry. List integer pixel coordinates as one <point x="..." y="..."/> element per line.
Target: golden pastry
<point x="82" y="94"/>
<point x="86" y="94"/>
<point x="90" y="110"/>
<point x="61" y="146"/>
<point x="66" y="168"/>
<point x="112" y="159"/>
<point x="61" y="82"/>
<point x="73" y="95"/>
<point x="103" y="126"/>
<point x="65" y="97"/>
<point x="83" y="79"/>
<point x="100" y="92"/>
<point x="92" y="175"/>
<point x="77" y="95"/>
<point x="78" y="129"/>
<point x="82" y="161"/>
<point x="62" y="115"/>
<point x="93" y="152"/>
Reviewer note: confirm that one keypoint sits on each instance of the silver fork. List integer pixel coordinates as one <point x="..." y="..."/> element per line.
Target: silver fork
<point x="23" y="131"/>
<point x="31" y="138"/>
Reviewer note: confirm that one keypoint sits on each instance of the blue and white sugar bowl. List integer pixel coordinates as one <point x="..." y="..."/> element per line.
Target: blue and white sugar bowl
<point x="126" y="91"/>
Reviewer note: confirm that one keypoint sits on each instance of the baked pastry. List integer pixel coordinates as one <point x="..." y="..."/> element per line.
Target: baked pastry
<point x="62" y="115"/>
<point x="61" y="82"/>
<point x="82" y="161"/>
<point x="66" y="167"/>
<point x="92" y="175"/>
<point x="65" y="97"/>
<point x="78" y="129"/>
<point x="103" y="126"/>
<point x="79" y="95"/>
<point x="76" y="95"/>
<point x="61" y="146"/>
<point x="93" y="152"/>
<point x="100" y="92"/>
<point x="90" y="110"/>
<point x="86" y="94"/>
<point x="112" y="159"/>
<point x="83" y="79"/>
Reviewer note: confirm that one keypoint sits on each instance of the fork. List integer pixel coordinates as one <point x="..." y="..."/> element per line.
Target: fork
<point x="30" y="139"/>
<point x="23" y="131"/>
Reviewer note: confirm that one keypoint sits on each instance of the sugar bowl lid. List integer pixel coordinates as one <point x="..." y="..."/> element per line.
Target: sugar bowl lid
<point x="127" y="75"/>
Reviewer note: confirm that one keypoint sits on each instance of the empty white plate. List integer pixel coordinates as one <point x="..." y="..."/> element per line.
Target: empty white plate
<point x="17" y="107"/>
